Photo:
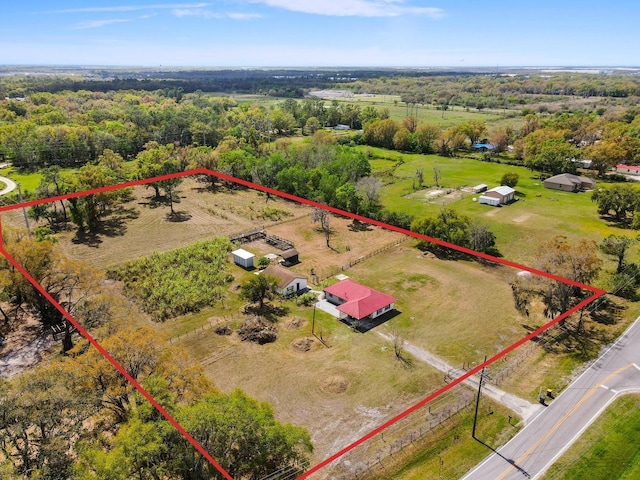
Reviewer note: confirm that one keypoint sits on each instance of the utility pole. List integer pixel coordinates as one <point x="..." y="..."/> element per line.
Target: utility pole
<point x="24" y="210"/>
<point x="313" y="320"/>
<point x="475" y="416"/>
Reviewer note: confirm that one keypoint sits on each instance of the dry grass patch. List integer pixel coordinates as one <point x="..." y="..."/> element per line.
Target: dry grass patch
<point x="350" y="241"/>
<point x="459" y="310"/>
<point x="202" y="215"/>
<point x="338" y="393"/>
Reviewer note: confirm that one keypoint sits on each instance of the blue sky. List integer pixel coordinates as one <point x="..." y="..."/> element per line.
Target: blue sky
<point x="321" y="33"/>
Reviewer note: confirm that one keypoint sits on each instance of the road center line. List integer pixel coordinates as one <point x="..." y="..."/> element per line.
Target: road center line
<point x="562" y="420"/>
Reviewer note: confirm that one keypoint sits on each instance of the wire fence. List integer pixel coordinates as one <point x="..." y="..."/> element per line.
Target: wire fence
<point x="213" y="322"/>
<point x="400" y="441"/>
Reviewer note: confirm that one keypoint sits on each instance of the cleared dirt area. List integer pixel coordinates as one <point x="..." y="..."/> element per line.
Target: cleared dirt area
<point x="438" y="196"/>
<point x="24" y="346"/>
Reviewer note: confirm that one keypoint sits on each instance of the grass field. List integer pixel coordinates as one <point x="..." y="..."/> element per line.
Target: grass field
<point x="609" y="449"/>
<point x="28" y="181"/>
<point x="459" y="310"/>
<point x="399" y="111"/>
<point x="537" y="215"/>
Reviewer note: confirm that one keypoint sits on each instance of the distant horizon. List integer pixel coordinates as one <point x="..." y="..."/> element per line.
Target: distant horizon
<point x="323" y="67"/>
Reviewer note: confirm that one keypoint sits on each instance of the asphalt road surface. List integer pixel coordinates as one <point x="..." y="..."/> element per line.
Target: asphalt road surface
<point x="548" y="435"/>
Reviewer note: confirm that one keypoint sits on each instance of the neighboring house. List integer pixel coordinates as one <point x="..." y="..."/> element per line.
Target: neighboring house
<point x="628" y="169"/>
<point x="480" y="188"/>
<point x="243" y="258"/>
<point x="483" y="147"/>
<point x="290" y="257"/>
<point x="289" y="283"/>
<point x="357" y="301"/>
<point x="582" y="163"/>
<point x="498" y="196"/>
<point x="568" y="182"/>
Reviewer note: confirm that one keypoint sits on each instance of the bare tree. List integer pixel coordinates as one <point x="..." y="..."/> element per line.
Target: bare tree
<point x="420" y="177"/>
<point x="322" y="216"/>
<point x="436" y="176"/>
<point x="370" y="188"/>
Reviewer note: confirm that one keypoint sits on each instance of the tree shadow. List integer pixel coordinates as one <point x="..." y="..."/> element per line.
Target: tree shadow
<point x="443" y="253"/>
<point x="269" y="311"/>
<point x="612" y="221"/>
<point x="358" y="226"/>
<point x="115" y="225"/>
<point x="606" y="312"/>
<point x="159" y="201"/>
<point x="90" y="239"/>
<point x="178" y="216"/>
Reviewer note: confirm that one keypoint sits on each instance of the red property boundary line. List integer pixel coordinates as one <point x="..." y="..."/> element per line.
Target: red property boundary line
<point x="202" y="171"/>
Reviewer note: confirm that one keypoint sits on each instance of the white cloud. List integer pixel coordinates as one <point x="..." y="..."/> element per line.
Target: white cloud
<point x="201" y="12"/>
<point x="347" y="8"/>
<point x="99" y="23"/>
<point x="243" y="16"/>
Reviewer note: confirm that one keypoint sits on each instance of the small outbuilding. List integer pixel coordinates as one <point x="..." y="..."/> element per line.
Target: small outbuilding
<point x="480" y="188"/>
<point x="243" y="258"/>
<point x="289" y="282"/>
<point x="501" y="195"/>
<point x="567" y="182"/>
<point x="290" y="257"/>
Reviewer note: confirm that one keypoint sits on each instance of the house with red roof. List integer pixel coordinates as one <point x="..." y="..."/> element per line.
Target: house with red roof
<point x="358" y="301"/>
<point x="628" y="169"/>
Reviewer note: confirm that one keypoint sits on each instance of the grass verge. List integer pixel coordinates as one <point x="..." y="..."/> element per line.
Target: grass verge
<point x="609" y="449"/>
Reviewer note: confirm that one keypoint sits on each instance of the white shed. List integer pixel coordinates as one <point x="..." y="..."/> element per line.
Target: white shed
<point x="243" y="258"/>
<point x="494" y="202"/>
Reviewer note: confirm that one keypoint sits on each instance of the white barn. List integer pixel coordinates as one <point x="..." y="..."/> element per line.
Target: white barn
<point x="243" y="258"/>
<point x="501" y="195"/>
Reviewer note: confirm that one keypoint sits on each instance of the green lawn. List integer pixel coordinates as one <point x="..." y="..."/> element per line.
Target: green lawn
<point x="452" y="452"/>
<point x="609" y="448"/>
<point x="28" y="181"/>
<point x="538" y="214"/>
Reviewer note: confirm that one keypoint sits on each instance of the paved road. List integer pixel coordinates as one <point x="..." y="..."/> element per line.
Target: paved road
<point x="548" y="435"/>
<point x="11" y="185"/>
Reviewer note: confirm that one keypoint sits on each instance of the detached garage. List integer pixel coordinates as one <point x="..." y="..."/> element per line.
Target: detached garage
<point x="243" y="258"/>
<point x="498" y="196"/>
